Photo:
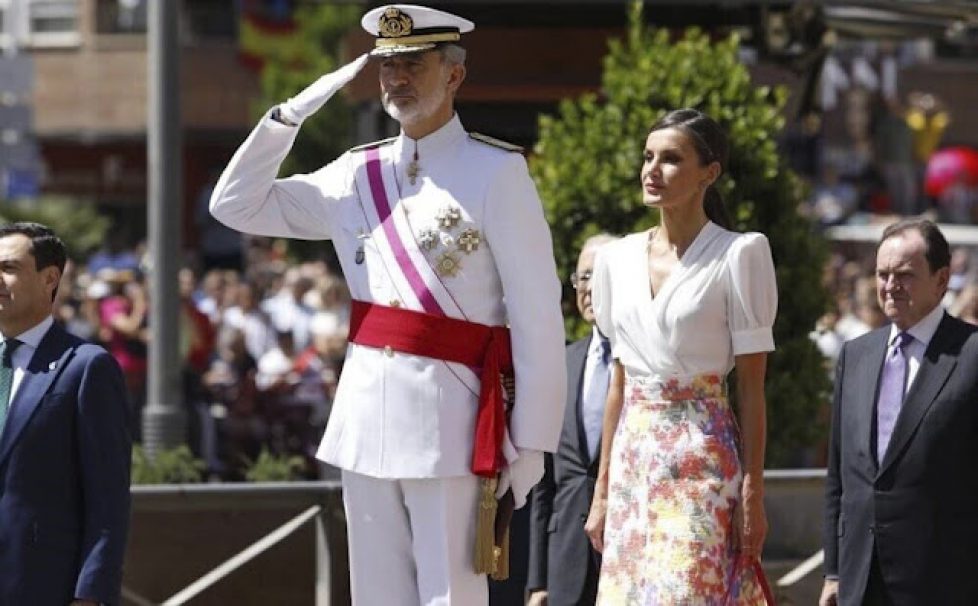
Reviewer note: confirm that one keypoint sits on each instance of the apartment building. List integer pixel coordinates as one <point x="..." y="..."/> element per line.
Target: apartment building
<point x="88" y="96"/>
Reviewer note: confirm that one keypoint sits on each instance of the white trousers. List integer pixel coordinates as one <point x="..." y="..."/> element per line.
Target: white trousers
<point x="412" y="541"/>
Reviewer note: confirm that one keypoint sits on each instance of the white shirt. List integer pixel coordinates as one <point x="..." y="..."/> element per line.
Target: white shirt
<point x="719" y="301"/>
<point x="922" y="332"/>
<point x="30" y="339"/>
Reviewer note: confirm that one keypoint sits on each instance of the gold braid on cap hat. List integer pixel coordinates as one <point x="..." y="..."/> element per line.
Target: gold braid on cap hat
<point x="394" y="24"/>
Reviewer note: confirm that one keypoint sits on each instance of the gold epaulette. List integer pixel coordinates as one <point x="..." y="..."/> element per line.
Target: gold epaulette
<point x="374" y="144"/>
<point x="510" y="147"/>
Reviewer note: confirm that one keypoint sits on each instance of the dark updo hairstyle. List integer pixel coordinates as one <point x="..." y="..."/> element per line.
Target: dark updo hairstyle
<point x="710" y="142"/>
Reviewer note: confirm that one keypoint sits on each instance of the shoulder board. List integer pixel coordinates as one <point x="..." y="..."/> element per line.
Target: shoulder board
<point x="367" y="146"/>
<point x="510" y="147"/>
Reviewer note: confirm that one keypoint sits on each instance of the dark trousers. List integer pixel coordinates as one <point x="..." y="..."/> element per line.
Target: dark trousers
<point x="590" y="593"/>
<point x="876" y="594"/>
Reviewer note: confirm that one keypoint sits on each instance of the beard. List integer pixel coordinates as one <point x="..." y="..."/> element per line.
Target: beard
<point x="423" y="107"/>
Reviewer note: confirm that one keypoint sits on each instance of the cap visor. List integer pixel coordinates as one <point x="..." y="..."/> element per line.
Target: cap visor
<point x="388" y="51"/>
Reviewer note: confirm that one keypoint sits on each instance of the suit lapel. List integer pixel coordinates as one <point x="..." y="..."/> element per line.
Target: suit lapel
<point x="578" y="363"/>
<point x="870" y="364"/>
<point x="46" y="364"/>
<point x="935" y="368"/>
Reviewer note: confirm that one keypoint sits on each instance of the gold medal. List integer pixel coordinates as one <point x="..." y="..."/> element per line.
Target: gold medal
<point x="469" y="240"/>
<point x="447" y="265"/>
<point x="448" y="217"/>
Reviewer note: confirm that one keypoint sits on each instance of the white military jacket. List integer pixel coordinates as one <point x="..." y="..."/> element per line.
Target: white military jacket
<point x="473" y="224"/>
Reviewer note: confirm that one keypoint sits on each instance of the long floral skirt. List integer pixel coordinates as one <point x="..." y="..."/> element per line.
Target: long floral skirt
<point x="674" y="482"/>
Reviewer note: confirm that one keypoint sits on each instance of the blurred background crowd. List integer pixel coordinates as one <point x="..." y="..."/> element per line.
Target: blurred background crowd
<point x="262" y="345"/>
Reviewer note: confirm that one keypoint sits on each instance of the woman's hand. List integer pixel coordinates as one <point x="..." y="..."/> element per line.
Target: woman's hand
<point x="594" y="526"/>
<point x="750" y="522"/>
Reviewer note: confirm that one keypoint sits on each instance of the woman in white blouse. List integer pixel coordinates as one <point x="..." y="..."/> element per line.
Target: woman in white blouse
<point x="678" y="509"/>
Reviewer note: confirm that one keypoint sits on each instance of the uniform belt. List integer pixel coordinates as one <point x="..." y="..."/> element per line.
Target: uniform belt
<point x="484" y="348"/>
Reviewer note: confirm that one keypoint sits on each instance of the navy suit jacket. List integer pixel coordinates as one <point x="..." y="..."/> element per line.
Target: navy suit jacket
<point x="65" y="455"/>
<point x="917" y="509"/>
<point x="559" y="549"/>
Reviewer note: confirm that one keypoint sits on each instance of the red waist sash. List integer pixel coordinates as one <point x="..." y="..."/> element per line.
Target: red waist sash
<point x="485" y="348"/>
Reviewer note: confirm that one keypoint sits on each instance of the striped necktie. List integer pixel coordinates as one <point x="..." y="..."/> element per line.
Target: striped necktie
<point x="6" y="377"/>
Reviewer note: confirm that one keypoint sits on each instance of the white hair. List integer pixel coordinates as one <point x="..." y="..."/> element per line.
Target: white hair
<point x="452" y="53"/>
<point x="597" y="240"/>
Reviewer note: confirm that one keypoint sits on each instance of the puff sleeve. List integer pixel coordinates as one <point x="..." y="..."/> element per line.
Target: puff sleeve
<point x="601" y="295"/>
<point x="753" y="295"/>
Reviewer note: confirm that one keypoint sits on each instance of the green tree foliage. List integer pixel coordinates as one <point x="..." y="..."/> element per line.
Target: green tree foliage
<point x="312" y="51"/>
<point x="173" y="466"/>
<point x="269" y="467"/>
<point x="587" y="165"/>
<point x="78" y="224"/>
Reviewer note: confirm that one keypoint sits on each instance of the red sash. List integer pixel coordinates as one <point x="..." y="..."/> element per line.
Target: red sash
<point x="484" y="348"/>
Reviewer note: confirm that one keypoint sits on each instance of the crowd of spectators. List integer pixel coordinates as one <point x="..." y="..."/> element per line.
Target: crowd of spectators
<point x="855" y="311"/>
<point x="879" y="164"/>
<point x="262" y="349"/>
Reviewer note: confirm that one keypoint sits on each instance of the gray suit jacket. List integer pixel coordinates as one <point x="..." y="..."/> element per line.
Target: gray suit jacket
<point x="918" y="508"/>
<point x="562" y="499"/>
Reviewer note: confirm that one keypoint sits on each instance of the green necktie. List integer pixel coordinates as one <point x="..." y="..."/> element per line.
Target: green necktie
<point x="6" y="377"/>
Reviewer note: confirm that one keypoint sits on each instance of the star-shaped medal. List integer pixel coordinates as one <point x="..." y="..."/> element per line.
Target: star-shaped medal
<point x="448" y="265"/>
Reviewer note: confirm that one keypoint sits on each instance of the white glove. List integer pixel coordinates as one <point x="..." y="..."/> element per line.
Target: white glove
<point x="308" y="102"/>
<point x="521" y="475"/>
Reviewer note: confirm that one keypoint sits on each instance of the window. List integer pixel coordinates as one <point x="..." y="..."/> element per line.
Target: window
<point x="39" y="23"/>
<point x="53" y="22"/>
<point x="121" y="16"/>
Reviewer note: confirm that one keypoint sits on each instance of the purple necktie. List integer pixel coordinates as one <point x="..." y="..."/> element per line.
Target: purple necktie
<point x="893" y="386"/>
<point x="592" y="404"/>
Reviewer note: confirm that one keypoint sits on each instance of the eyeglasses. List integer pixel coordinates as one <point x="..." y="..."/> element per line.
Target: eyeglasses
<point x="579" y="280"/>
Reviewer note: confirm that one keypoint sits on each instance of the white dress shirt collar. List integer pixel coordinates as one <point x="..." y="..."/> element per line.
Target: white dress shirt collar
<point x="922" y="331"/>
<point x="594" y="349"/>
<point x="432" y="144"/>
<point x="32" y="336"/>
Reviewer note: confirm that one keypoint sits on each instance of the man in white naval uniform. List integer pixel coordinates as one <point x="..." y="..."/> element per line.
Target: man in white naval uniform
<point x="437" y="221"/>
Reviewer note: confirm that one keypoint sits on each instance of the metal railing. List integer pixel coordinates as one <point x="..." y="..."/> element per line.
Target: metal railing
<point x="793" y="497"/>
<point x="317" y="502"/>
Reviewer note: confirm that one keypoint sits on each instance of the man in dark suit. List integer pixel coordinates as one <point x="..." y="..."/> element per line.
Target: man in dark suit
<point x="901" y="516"/>
<point x="64" y="440"/>
<point x="563" y="565"/>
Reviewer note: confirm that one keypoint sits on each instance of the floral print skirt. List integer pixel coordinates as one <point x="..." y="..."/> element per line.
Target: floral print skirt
<point x="674" y="482"/>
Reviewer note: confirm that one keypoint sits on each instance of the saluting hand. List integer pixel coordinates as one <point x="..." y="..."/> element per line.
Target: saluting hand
<point x="308" y="102"/>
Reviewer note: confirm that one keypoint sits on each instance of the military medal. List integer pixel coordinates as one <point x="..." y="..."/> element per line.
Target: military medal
<point x="448" y="217"/>
<point x="468" y="240"/>
<point x="414" y="167"/>
<point x="428" y="238"/>
<point x="358" y="258"/>
<point x="447" y="265"/>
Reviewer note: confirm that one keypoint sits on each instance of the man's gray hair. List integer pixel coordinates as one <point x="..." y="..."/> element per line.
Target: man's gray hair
<point x="452" y="54"/>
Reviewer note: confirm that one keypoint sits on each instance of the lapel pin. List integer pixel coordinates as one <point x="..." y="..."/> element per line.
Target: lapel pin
<point x="52" y="365"/>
